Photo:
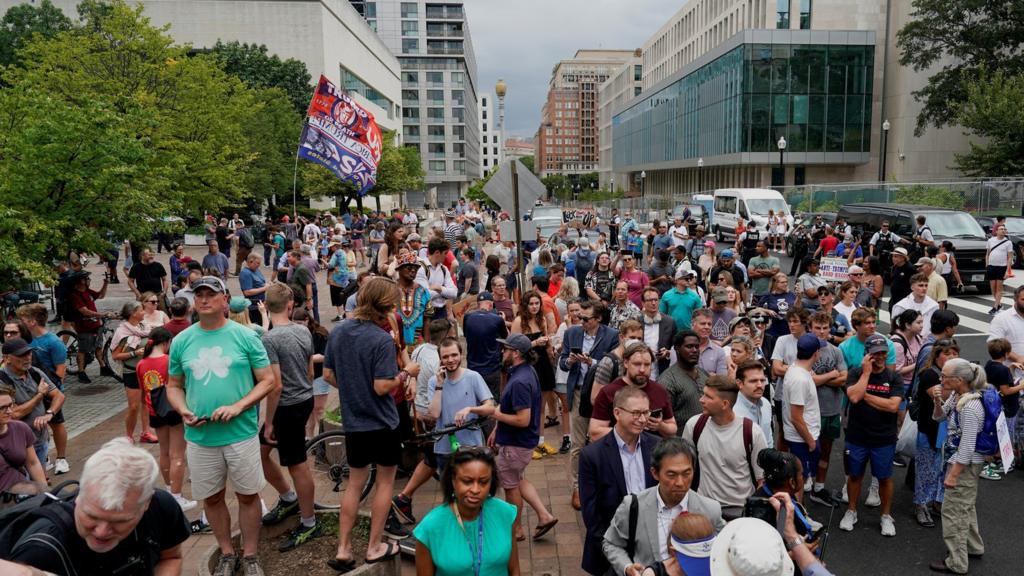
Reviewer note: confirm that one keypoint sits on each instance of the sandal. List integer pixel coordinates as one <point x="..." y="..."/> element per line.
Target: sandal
<point x="342" y="566"/>
<point x="393" y="550"/>
<point x="543" y="529"/>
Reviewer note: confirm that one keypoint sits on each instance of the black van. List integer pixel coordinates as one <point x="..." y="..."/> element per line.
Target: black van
<point x="945" y="224"/>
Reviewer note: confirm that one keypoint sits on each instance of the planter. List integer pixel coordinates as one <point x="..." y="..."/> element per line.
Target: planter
<point x="195" y="240"/>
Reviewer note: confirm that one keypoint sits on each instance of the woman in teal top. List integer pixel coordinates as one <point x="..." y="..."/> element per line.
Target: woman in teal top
<point x="471" y="534"/>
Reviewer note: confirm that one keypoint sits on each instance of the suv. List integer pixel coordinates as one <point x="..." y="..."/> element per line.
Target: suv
<point x="960" y="227"/>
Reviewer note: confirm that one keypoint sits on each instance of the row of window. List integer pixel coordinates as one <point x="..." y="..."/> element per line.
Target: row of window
<point x="353" y="83"/>
<point x="412" y="45"/>
<point x="782" y="15"/>
<point x="435" y="132"/>
<point x="434" y="114"/>
<point x="434" y="97"/>
<point x="412" y="78"/>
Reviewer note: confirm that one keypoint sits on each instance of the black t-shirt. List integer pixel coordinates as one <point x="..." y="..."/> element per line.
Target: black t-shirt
<point x="867" y="426"/>
<point x="163" y="526"/>
<point x="927" y="379"/>
<point x="900" y="286"/>
<point x="222" y="238"/>
<point x="998" y="376"/>
<point x="148" y="277"/>
<point x="737" y="276"/>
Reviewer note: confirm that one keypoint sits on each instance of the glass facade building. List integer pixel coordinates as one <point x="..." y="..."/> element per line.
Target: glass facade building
<point x="813" y="88"/>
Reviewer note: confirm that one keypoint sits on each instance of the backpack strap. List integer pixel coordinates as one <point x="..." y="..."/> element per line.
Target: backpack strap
<point x="748" y="447"/>
<point x="634" y="516"/>
<point x="59" y="515"/>
<point x="698" y="429"/>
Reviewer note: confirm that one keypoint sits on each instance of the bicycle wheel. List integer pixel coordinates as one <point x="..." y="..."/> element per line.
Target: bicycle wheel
<point x="108" y="359"/>
<point x="71" y="339"/>
<point x="328" y="461"/>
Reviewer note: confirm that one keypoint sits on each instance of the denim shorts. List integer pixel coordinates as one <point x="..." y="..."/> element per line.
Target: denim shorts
<point x="857" y="457"/>
<point x="321" y="387"/>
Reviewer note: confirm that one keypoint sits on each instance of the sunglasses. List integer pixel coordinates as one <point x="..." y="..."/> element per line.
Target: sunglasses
<point x="151" y="301"/>
<point x="585" y="318"/>
<point x="9" y="332"/>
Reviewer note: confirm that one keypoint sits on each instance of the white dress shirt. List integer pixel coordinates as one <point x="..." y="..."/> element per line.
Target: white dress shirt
<point x="632" y="464"/>
<point x="666" y="516"/>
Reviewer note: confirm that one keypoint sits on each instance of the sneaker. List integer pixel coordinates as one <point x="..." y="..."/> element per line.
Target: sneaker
<point x="547" y="449"/>
<point x="402" y="507"/>
<point x="149" y="438"/>
<point x="227" y="566"/>
<point x="393" y="528"/>
<point x="566" y="445"/>
<point x="280" y="511"/>
<point x="107" y="371"/>
<point x="84" y="378"/>
<point x="537" y="453"/>
<point x="924" y="517"/>
<point x="814" y="525"/>
<point x="888" y="525"/>
<point x="200" y="527"/>
<point x="336" y="319"/>
<point x="849" y="519"/>
<point x="298" y="536"/>
<point x="49" y="465"/>
<point x="62" y="466"/>
<point x="992" y="472"/>
<point x="821" y="497"/>
<point x="874" y="500"/>
<point x="185" y="503"/>
<point x="808" y="484"/>
<point x="251" y="566"/>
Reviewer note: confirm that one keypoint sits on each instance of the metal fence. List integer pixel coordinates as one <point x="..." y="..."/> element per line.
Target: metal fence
<point x="989" y="196"/>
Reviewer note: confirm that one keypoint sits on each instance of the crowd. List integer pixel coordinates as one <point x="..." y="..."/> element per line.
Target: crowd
<point x="697" y="388"/>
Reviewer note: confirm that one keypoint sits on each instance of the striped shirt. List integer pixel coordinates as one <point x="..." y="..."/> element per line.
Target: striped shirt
<point x="964" y="425"/>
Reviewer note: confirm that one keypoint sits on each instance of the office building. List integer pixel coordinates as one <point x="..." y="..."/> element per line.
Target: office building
<point x="622" y="86"/>
<point x="491" y="153"/>
<point x="439" y="91"/>
<point x="723" y="81"/>
<point x="567" y="140"/>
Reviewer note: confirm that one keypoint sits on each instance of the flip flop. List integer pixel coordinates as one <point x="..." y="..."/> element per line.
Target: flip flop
<point x="342" y="566"/>
<point x="543" y="529"/>
<point x="393" y="550"/>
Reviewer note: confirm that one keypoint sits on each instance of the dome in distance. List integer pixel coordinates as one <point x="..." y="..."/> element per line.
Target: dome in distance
<point x="500" y="88"/>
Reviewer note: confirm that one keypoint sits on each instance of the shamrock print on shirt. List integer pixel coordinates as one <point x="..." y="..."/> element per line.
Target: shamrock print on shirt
<point x="210" y="361"/>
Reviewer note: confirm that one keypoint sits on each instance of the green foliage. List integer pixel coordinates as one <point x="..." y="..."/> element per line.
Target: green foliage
<point x="21" y="22"/>
<point x="557" y="186"/>
<point x="272" y="129"/>
<point x="993" y="111"/>
<point x="936" y="196"/>
<point x="805" y="205"/>
<point x="255" y="66"/>
<point x="476" y="189"/>
<point x="399" y="171"/>
<point x="528" y="161"/>
<point x="964" y="37"/>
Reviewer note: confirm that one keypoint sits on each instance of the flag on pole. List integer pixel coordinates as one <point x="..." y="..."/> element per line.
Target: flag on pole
<point x="342" y="136"/>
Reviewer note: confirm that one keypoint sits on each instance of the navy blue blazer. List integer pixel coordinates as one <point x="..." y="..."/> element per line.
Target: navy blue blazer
<point x="602" y="488"/>
<point x="607" y="340"/>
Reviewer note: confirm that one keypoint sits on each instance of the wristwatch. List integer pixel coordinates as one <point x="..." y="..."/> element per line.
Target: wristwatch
<point x="791" y="544"/>
<point x="49" y="412"/>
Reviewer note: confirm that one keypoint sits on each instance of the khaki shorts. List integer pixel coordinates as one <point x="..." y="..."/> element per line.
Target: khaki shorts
<point x="211" y="466"/>
<point x="512" y="463"/>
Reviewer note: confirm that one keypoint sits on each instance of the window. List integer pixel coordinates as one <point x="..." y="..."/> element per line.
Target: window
<point x="458" y="78"/>
<point x="459" y="132"/>
<point x="458" y="98"/>
<point x="435" y="77"/>
<point x="638" y="72"/>
<point x="459" y="150"/>
<point x="411" y="113"/>
<point x="484" y="128"/>
<point x="411" y="96"/>
<point x="805" y="14"/>
<point x="372" y="24"/>
<point x="437" y="166"/>
<point x="484" y="100"/>
<point x="411" y="78"/>
<point x="370" y="11"/>
<point x="410" y="27"/>
<point x="435" y="97"/>
<point x="782" y="15"/>
<point x="637" y="90"/>
<point x="485" y="162"/>
<point x="460" y="166"/>
<point x="410" y="9"/>
<point x="435" y="132"/>
<point x="410" y="46"/>
<point x="435" y="113"/>
<point x="435" y="150"/>
<point x="413" y="131"/>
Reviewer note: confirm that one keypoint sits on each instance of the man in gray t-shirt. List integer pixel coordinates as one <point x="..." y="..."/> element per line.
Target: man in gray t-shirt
<point x="830" y="380"/>
<point x="31" y="387"/>
<point x="290" y="350"/>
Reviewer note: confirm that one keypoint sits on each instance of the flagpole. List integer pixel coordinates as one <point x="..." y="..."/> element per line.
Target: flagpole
<point x="295" y="179"/>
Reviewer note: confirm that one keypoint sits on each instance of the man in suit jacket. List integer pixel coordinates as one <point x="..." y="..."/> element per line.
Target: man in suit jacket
<point x="594" y="340"/>
<point x="615" y="466"/>
<point x="659" y="329"/>
<point x="672" y="466"/>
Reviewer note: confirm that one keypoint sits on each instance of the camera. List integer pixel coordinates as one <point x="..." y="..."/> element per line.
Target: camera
<point x="760" y="508"/>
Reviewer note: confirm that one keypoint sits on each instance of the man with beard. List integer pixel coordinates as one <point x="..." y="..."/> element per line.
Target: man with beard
<point x="415" y="299"/>
<point x="1009" y="324"/>
<point x="637" y="360"/>
<point x="685" y="379"/>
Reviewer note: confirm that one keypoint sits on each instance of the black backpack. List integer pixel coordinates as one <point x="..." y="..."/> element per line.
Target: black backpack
<point x="586" y="406"/>
<point x="15" y="520"/>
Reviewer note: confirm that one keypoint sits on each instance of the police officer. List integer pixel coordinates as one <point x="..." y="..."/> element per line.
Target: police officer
<point x="882" y="244"/>
<point x="746" y="244"/>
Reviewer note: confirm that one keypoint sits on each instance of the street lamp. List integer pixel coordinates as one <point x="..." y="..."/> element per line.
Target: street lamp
<point x="885" y="146"/>
<point x="611" y="184"/>
<point x="782" y="167"/>
<point x="643" y="183"/>
<point x="700" y="174"/>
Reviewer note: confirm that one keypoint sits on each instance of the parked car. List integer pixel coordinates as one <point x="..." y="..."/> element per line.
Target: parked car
<point x="966" y="233"/>
<point x="807" y="221"/>
<point x="750" y="204"/>
<point x="1014" y="230"/>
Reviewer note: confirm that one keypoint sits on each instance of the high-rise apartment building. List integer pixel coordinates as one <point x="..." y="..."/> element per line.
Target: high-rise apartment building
<point x="567" y="140"/>
<point x="439" y="90"/>
<point x="724" y="80"/>
<point x="622" y="86"/>
<point x="491" y="151"/>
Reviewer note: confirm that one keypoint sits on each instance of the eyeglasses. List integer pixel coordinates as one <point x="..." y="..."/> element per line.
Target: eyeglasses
<point x="637" y="414"/>
<point x="856" y="274"/>
<point x="151" y="301"/>
<point x="7" y="407"/>
<point x="585" y="318"/>
<point x="10" y="332"/>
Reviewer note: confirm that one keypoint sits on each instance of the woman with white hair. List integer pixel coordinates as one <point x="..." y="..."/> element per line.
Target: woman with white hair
<point x="118" y="524"/>
<point x="964" y="412"/>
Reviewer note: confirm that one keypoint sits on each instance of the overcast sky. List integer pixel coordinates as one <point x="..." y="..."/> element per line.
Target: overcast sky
<point x="521" y="40"/>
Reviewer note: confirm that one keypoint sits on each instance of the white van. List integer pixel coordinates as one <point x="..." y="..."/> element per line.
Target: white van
<point x="750" y="204"/>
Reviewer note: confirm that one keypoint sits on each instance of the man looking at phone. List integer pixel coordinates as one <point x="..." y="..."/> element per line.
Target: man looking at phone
<point x="218" y="373"/>
<point x="658" y="330"/>
<point x="637" y="360"/>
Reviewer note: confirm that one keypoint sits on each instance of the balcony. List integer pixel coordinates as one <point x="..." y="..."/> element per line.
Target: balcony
<point x="442" y="50"/>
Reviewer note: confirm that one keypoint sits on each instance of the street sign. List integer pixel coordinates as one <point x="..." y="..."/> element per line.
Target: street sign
<point x="499" y="187"/>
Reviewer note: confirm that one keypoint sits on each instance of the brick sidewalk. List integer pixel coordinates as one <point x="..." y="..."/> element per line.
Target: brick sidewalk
<point x="95" y="414"/>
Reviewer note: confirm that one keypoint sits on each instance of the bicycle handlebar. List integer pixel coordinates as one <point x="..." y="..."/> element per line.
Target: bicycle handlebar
<point x="452" y="428"/>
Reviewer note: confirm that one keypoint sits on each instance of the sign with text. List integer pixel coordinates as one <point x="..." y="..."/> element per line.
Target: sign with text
<point x="834" y="269"/>
<point x="342" y="136"/>
<point x="1005" y="443"/>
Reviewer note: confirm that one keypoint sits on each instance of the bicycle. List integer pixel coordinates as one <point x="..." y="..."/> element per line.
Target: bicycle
<point x="329" y="462"/>
<point x="105" y="334"/>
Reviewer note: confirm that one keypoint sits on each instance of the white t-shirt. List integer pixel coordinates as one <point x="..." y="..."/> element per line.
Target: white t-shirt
<point x="681" y="229"/>
<point x="1008" y="324"/>
<point x="926" y="308"/>
<point x="799" y="390"/>
<point x="723" y="461"/>
<point x="999" y="251"/>
<point x="846" y="311"/>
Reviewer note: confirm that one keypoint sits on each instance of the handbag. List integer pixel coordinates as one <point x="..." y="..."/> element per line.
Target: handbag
<point x="161" y="405"/>
<point x="907" y="442"/>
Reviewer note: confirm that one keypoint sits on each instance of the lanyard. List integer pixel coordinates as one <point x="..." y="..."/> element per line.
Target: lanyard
<point x="479" y="560"/>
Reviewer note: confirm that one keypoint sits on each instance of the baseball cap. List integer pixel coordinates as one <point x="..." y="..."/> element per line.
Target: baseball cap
<point x="848" y="238"/>
<point x="855" y="270"/>
<point x="709" y="243"/>
<point x="485" y="296"/>
<point x="720" y="294"/>
<point x="807" y="345"/>
<point x="516" y="341"/>
<point x="728" y="254"/>
<point x="239" y="304"/>
<point x="408" y="259"/>
<point x="414" y="237"/>
<point x="901" y="251"/>
<point x="685" y="273"/>
<point x="749" y="546"/>
<point x="876" y="343"/>
<point x="693" y="556"/>
<point x="738" y="319"/>
<point x="211" y="282"/>
<point x="16" y="347"/>
<point x="924" y="260"/>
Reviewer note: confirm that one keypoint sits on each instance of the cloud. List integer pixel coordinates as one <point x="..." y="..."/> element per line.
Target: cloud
<point x="520" y="41"/>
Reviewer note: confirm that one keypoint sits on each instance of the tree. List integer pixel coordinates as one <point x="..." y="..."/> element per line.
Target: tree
<point x="965" y="36"/>
<point x="993" y="111"/>
<point x="936" y="196"/>
<point x="260" y="69"/>
<point x="21" y="22"/>
<point x="272" y="130"/>
<point x="528" y="161"/>
<point x="476" y="189"/>
<point x="557" y="185"/>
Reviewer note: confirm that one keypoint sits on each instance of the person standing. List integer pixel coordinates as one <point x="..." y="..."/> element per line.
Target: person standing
<point x="901" y="273"/>
<point x="482" y="329"/>
<point x="682" y="300"/>
<point x="148" y="275"/>
<point x="998" y="254"/>
<point x="218" y="373"/>
<point x="636" y="360"/>
<point x="518" y="432"/>
<point x="290" y="350"/>
<point x="31" y="388"/>
<point x="87" y="322"/>
<point x="762" y="268"/>
<point x="614" y="224"/>
<point x="658" y="330"/>
<point x="246" y="242"/>
<point x="830" y="379"/>
<point x="215" y="262"/>
<point x="751" y="403"/>
<point x="436" y="278"/>
<point x="253" y="286"/>
<point x="49" y="351"/>
<point x="919" y="301"/>
<point x="713" y="358"/>
<point x="685" y="379"/>
<point x="801" y="413"/>
<point x="415" y="300"/>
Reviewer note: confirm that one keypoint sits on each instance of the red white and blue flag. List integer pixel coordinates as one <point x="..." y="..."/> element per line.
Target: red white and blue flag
<point x="342" y="136"/>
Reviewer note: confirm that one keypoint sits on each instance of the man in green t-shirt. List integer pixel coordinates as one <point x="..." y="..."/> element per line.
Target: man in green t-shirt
<point x="218" y="373"/>
<point x="761" y="269"/>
